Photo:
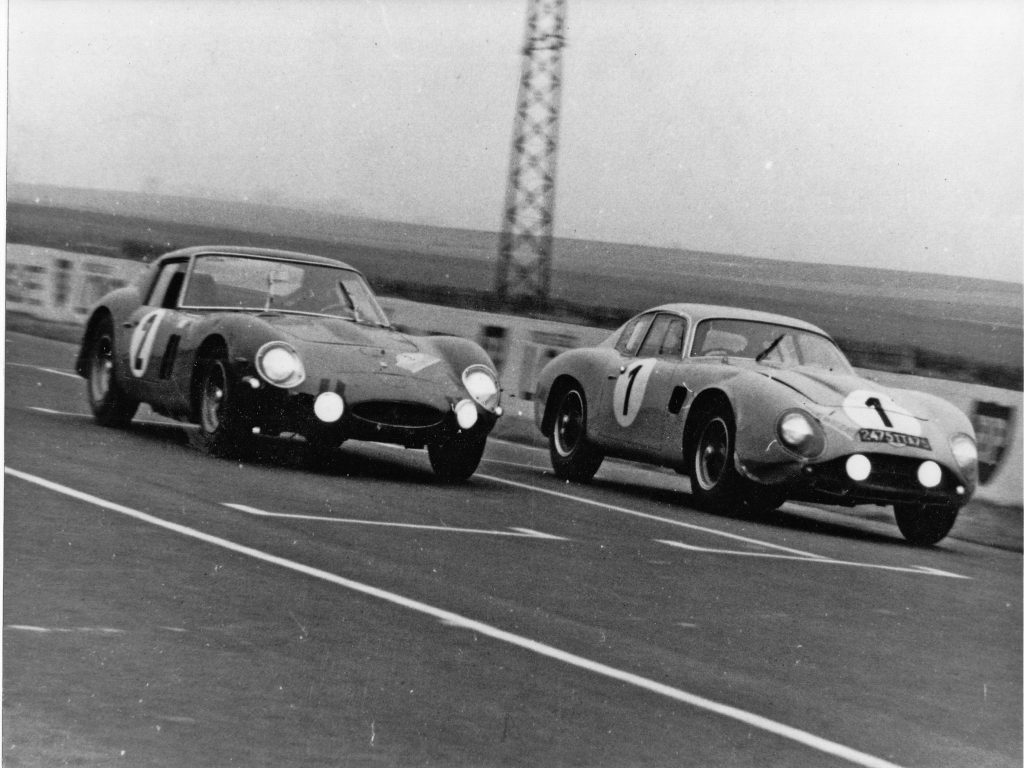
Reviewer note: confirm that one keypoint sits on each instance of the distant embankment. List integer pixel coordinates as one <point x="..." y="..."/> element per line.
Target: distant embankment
<point x="962" y="329"/>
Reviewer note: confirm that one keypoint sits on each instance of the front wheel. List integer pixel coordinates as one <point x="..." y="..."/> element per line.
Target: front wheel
<point x="714" y="480"/>
<point x="456" y="460"/>
<point x="924" y="526"/>
<point x="221" y="426"/>
<point x="573" y="456"/>
<point x="111" y="407"/>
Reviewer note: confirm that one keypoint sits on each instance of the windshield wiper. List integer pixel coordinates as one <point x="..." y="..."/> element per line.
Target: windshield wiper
<point x="769" y="349"/>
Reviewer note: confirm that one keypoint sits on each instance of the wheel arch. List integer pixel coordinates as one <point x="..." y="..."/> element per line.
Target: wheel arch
<point x="560" y="385"/>
<point x="81" y="362"/>
<point x="204" y="351"/>
<point x="707" y="401"/>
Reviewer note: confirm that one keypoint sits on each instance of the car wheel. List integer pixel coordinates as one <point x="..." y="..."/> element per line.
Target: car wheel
<point x="573" y="456"/>
<point x="714" y="481"/>
<point x="222" y="429"/>
<point x="111" y="407"/>
<point x="922" y="525"/>
<point x="456" y="460"/>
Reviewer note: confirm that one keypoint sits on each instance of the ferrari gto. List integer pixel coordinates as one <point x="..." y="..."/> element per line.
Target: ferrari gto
<point x="244" y="341"/>
<point x="756" y="408"/>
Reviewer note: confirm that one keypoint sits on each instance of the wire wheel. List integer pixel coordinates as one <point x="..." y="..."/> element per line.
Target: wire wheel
<point x="111" y="407"/>
<point x="212" y="397"/>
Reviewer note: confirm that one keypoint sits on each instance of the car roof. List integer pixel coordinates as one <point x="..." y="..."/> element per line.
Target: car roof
<point x="245" y="250"/>
<point x="698" y="312"/>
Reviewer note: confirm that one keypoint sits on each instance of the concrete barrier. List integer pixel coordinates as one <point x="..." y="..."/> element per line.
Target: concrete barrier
<point x="61" y="285"/>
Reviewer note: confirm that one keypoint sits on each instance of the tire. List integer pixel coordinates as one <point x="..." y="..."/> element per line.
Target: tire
<point x="714" y="481"/>
<point x="924" y="526"/>
<point x="111" y="407"/>
<point x="222" y="429"/>
<point x="573" y="456"/>
<point x="456" y="460"/>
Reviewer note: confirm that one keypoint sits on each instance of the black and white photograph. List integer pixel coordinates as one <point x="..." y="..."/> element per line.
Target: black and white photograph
<point x="470" y="383"/>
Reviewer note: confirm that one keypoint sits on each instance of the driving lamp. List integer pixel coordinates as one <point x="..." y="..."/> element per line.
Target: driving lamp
<point x="465" y="413"/>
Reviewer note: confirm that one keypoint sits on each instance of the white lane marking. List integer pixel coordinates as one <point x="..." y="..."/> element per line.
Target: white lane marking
<point x="66" y="630"/>
<point x="525" y="533"/>
<point x="47" y="370"/>
<point x="918" y="569"/>
<point x="156" y="422"/>
<point x="455" y="620"/>
<point x="514" y="464"/>
<point x="647" y="516"/>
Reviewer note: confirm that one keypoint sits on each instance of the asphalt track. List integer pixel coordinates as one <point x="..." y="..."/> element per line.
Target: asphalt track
<point x="164" y="608"/>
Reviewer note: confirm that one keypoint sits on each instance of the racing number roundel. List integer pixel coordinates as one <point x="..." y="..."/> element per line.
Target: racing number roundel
<point x="875" y="410"/>
<point x="141" y="345"/>
<point x="629" y="390"/>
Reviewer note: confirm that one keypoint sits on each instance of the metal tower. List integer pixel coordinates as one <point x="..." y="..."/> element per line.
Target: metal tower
<point x="525" y="245"/>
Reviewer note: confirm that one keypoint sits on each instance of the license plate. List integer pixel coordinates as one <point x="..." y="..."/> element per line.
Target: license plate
<point x="894" y="438"/>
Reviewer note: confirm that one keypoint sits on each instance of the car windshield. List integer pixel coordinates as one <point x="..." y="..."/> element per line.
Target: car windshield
<point x="779" y="345"/>
<point x="250" y="283"/>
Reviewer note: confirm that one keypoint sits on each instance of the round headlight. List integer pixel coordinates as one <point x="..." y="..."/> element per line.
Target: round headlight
<point x="482" y="385"/>
<point x="279" y="364"/>
<point x="801" y="434"/>
<point x="965" y="451"/>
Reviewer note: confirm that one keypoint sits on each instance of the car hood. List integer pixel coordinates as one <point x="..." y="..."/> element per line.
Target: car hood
<point x="831" y="390"/>
<point x="333" y="347"/>
<point x="323" y="330"/>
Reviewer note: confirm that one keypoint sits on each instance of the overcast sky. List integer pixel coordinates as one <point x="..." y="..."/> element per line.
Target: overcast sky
<point x="879" y="133"/>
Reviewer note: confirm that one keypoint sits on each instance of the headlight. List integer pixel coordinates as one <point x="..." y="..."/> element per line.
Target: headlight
<point x="800" y="433"/>
<point x="482" y="385"/>
<point x="965" y="451"/>
<point x="278" y="364"/>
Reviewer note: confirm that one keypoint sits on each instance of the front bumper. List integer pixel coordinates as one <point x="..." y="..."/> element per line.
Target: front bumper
<point x="412" y="417"/>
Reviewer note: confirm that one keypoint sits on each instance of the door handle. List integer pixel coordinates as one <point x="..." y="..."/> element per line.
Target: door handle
<point x="128" y="325"/>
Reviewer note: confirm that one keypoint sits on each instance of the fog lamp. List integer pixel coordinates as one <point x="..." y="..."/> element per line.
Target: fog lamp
<point x="858" y="467"/>
<point x="465" y="413"/>
<point x="328" y="407"/>
<point x="929" y="474"/>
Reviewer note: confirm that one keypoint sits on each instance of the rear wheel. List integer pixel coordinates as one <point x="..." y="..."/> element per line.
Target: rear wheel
<point x="222" y="429"/>
<point x="573" y="456"/>
<point x="111" y="407"/>
<point x="924" y="526"/>
<point x="456" y="460"/>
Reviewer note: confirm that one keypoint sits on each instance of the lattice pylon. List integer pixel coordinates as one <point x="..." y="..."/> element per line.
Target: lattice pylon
<point x="527" y="232"/>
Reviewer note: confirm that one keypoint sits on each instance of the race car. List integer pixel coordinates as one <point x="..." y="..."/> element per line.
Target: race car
<point x="244" y="341"/>
<point x="756" y="408"/>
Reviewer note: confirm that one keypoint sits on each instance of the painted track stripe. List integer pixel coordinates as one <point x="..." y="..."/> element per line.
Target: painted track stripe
<point x="523" y="533"/>
<point x="919" y="569"/>
<point x="455" y="620"/>
<point x="647" y="516"/>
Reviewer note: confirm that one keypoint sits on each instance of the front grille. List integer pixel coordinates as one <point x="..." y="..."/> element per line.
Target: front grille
<point x="397" y="414"/>
<point x="892" y="477"/>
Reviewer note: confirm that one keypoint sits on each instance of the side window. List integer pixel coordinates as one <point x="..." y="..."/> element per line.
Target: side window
<point x="633" y="334"/>
<point x="653" y="341"/>
<point x="672" y="343"/>
<point x="167" y="286"/>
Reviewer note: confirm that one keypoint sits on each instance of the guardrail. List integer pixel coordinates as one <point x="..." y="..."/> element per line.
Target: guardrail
<point x="60" y="286"/>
